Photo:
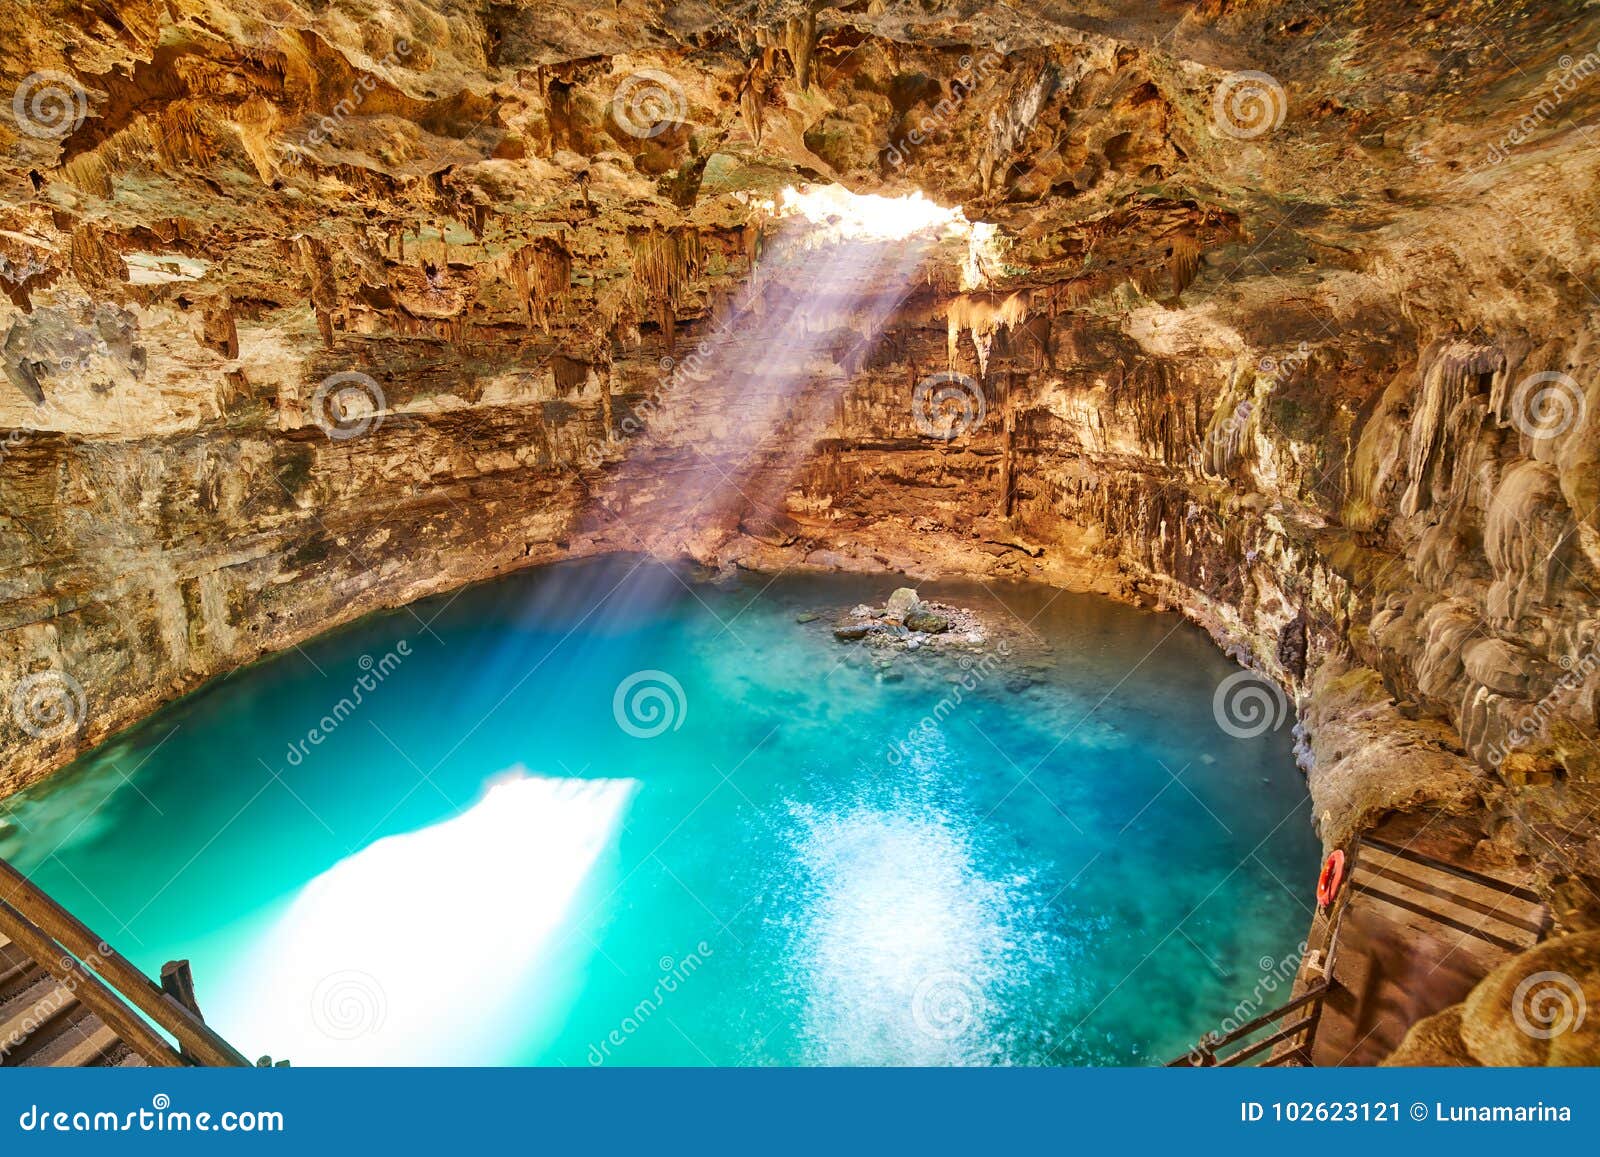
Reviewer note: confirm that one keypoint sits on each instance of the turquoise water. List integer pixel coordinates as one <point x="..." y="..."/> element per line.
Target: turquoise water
<point x="605" y="813"/>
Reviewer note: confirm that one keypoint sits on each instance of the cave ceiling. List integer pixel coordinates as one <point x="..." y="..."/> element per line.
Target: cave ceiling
<point x="404" y="168"/>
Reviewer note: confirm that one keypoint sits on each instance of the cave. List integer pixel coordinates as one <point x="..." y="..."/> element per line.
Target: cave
<point x="807" y="532"/>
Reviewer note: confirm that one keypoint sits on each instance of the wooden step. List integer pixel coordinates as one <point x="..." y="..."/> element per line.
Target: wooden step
<point x="86" y="1043"/>
<point x="15" y="968"/>
<point x="33" y="1018"/>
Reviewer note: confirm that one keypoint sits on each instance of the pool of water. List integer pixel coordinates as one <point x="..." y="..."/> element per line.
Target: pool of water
<point x="605" y="813"/>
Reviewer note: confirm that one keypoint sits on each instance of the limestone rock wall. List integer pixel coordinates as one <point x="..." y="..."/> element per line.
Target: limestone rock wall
<point x="310" y="312"/>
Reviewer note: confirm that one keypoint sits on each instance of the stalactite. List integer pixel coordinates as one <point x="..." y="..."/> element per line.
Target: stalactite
<point x="982" y="317"/>
<point x="1184" y="264"/>
<point x="1233" y="423"/>
<point x="541" y="273"/>
<point x="1149" y="282"/>
<point x="255" y="122"/>
<point x="1040" y="329"/>
<point x="96" y="262"/>
<point x="558" y="108"/>
<point x="800" y="38"/>
<point x="183" y="136"/>
<point x="316" y="261"/>
<point x="1008" y="450"/>
<point x="750" y="100"/>
<point x="1526" y="532"/>
<point x="664" y="262"/>
<point x="570" y="373"/>
<point x="235" y="388"/>
<point x="219" y="330"/>
<point x="1450" y="371"/>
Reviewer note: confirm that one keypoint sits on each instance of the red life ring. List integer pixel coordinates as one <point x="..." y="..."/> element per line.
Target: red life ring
<point x="1332" y="876"/>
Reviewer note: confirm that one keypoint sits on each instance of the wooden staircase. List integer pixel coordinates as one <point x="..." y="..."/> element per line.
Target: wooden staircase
<point x="1408" y="935"/>
<point x="1419" y="932"/>
<point x="68" y="999"/>
<point x="44" y="1023"/>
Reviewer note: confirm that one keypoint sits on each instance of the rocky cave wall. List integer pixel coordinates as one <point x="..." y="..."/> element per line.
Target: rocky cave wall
<point x="1268" y="365"/>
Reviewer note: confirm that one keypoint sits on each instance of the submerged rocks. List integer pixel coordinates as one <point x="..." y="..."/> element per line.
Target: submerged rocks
<point x="906" y="623"/>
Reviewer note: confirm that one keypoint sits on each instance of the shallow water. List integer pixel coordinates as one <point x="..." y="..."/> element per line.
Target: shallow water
<point x="788" y="856"/>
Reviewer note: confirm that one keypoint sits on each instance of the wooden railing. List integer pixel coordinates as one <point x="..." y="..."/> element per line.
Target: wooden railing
<point x="107" y="983"/>
<point x="1206" y="1052"/>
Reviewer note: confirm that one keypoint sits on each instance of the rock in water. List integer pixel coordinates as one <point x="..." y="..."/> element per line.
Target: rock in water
<point x="851" y="631"/>
<point x="920" y="620"/>
<point x="902" y="603"/>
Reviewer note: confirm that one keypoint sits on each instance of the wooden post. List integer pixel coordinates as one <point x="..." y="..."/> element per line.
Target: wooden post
<point x="178" y="982"/>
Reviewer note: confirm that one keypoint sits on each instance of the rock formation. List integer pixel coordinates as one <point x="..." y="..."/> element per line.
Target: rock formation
<point x="1282" y="317"/>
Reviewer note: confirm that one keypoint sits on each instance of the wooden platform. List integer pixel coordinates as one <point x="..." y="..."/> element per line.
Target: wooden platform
<point x="1417" y="933"/>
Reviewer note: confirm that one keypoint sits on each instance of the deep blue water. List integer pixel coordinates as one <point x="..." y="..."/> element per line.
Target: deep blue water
<point x="1055" y="856"/>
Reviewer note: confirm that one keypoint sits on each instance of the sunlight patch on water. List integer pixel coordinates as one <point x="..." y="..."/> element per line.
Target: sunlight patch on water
<point x="410" y="950"/>
<point x="909" y="947"/>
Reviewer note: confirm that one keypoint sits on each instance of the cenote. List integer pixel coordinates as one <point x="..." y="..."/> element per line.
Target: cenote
<point x="606" y="812"/>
